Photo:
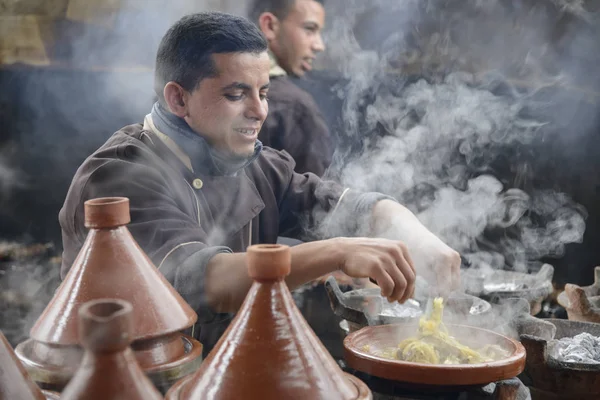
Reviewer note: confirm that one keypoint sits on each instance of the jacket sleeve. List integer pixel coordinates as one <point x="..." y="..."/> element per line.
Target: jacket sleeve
<point x="172" y="237"/>
<point x="314" y="209"/>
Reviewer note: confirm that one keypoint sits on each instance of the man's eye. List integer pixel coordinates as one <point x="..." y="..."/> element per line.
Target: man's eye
<point x="264" y="97"/>
<point x="232" y="97"/>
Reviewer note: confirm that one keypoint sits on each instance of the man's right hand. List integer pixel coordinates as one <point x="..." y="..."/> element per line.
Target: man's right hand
<point x="385" y="261"/>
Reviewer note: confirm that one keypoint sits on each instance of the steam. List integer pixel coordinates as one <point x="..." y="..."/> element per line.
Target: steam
<point x="439" y="143"/>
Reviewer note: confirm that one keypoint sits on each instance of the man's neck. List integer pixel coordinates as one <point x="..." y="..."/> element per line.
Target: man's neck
<point x="203" y="157"/>
<point x="276" y="69"/>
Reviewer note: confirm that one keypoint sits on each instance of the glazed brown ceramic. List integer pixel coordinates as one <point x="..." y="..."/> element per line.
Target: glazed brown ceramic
<point x="14" y="380"/>
<point x="359" y="347"/>
<point x="582" y="303"/>
<point x="109" y="369"/>
<point x="269" y="351"/>
<point x="112" y="265"/>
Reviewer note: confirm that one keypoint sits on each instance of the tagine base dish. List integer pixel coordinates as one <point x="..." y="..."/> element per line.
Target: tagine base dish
<point x="54" y="372"/>
<point x="359" y="348"/>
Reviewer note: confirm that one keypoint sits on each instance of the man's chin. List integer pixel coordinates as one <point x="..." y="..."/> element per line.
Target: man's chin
<point x="298" y="73"/>
<point x="242" y="154"/>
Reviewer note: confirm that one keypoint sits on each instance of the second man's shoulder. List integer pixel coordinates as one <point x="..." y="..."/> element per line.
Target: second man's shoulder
<point x="283" y="89"/>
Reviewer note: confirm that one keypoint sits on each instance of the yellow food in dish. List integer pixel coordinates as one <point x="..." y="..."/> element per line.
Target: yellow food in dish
<point x="434" y="345"/>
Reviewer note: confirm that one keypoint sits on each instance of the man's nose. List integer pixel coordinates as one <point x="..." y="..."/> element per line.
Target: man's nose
<point x="257" y="109"/>
<point x="318" y="44"/>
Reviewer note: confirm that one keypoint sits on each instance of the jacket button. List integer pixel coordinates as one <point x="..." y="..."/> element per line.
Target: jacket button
<point x="197" y="183"/>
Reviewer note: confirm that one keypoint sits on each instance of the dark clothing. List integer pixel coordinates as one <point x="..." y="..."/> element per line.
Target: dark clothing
<point x="295" y="124"/>
<point x="181" y="219"/>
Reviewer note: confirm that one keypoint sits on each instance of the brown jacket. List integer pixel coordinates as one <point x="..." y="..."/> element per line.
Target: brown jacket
<point x="295" y="124"/>
<point x="181" y="219"/>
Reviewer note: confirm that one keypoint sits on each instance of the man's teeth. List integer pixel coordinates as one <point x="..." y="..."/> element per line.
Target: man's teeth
<point x="248" y="132"/>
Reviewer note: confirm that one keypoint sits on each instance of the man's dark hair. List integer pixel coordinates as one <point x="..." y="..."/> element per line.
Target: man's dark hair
<point x="185" y="52"/>
<point x="279" y="8"/>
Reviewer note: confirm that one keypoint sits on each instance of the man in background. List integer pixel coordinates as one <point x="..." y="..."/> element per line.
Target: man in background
<point x="294" y="124"/>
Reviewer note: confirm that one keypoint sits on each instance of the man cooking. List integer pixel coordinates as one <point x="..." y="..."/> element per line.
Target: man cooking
<point x="295" y="124"/>
<point x="202" y="187"/>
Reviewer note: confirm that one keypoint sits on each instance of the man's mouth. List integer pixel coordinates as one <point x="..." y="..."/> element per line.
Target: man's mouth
<point x="248" y="132"/>
<point x="307" y="63"/>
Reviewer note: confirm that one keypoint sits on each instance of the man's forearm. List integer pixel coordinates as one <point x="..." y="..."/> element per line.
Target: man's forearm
<point x="227" y="281"/>
<point x="393" y="220"/>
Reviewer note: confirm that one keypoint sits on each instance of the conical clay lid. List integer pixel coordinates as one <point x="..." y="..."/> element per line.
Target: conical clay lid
<point x="269" y="351"/>
<point x="14" y="380"/>
<point x="111" y="264"/>
<point x="108" y="369"/>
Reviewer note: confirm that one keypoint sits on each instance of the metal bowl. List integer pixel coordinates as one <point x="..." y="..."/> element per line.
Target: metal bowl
<point x="365" y="307"/>
<point x="497" y="285"/>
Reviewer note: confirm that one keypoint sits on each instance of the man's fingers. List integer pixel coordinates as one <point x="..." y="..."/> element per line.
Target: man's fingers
<point x="400" y="281"/>
<point x="383" y="279"/>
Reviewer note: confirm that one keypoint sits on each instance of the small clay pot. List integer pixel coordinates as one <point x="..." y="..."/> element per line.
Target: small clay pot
<point x="14" y="379"/>
<point x="269" y="351"/>
<point x="109" y="369"/>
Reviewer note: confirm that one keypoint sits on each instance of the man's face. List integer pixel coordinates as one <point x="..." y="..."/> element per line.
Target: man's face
<point x="229" y="109"/>
<point x="298" y="39"/>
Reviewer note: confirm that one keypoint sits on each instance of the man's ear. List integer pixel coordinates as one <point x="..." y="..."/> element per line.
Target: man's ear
<point x="269" y="25"/>
<point x="176" y="99"/>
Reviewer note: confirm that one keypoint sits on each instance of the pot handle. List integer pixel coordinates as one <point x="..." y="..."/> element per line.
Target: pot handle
<point x="546" y="273"/>
<point x="334" y="293"/>
<point x="535" y="348"/>
<point x="340" y="307"/>
<point x="578" y="300"/>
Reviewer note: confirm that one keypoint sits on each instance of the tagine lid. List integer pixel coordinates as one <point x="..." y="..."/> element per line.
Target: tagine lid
<point x="269" y="349"/>
<point x="15" y="383"/>
<point x="111" y="264"/>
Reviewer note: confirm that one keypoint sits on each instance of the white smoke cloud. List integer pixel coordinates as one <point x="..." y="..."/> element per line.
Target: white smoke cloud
<point x="485" y="94"/>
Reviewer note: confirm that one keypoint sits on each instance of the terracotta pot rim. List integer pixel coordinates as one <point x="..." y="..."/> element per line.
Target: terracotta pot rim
<point x="447" y="375"/>
<point x="189" y="362"/>
<point x="364" y="393"/>
<point x="175" y="391"/>
<point x="268" y="247"/>
<point x="121" y="307"/>
<point x="61" y="374"/>
<point x="106" y="201"/>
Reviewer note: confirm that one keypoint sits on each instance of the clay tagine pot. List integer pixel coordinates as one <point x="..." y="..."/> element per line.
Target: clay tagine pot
<point x="15" y="382"/>
<point x="549" y="376"/>
<point x="269" y="351"/>
<point x="582" y="303"/>
<point x="112" y="265"/>
<point x="108" y="369"/>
